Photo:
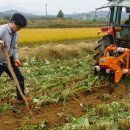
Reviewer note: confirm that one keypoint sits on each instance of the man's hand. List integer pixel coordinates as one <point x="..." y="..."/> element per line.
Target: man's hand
<point x="1" y="43"/>
<point x="18" y="63"/>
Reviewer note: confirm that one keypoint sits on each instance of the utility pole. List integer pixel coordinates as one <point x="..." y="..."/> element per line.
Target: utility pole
<point x="95" y="17"/>
<point x="74" y="14"/>
<point x="46" y="9"/>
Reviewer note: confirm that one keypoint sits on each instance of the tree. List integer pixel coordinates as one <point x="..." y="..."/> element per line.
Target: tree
<point x="60" y="14"/>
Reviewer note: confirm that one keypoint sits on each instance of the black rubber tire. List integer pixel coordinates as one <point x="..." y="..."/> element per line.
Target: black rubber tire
<point x="100" y="48"/>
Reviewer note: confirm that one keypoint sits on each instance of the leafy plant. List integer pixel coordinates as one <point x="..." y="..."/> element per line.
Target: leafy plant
<point x="4" y="107"/>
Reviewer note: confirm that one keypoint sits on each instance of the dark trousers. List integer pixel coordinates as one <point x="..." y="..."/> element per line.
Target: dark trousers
<point x="4" y="68"/>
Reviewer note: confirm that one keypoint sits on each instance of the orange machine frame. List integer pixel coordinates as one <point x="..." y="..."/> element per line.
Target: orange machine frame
<point x="116" y="63"/>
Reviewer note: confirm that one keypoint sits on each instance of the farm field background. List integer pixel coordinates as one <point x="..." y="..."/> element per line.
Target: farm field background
<point x="56" y="35"/>
<point x="60" y="79"/>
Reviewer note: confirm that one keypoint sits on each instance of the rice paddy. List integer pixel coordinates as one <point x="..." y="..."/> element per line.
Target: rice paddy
<point x="56" y="35"/>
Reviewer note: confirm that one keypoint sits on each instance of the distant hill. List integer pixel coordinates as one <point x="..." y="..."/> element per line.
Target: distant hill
<point x="90" y="15"/>
<point x="9" y="13"/>
<point x="100" y="14"/>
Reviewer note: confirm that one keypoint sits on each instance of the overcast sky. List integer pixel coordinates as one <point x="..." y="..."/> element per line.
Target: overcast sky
<point x="67" y="6"/>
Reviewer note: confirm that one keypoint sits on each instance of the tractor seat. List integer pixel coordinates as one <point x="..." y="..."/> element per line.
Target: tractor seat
<point x="123" y="37"/>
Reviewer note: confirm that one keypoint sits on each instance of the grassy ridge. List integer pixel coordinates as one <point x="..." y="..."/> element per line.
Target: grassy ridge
<point x="57" y="51"/>
<point x="59" y="23"/>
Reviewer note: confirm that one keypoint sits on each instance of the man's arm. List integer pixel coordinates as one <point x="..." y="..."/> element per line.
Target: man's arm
<point x="16" y="56"/>
<point x="15" y="52"/>
<point x="1" y="32"/>
<point x="1" y="35"/>
<point x="15" y="46"/>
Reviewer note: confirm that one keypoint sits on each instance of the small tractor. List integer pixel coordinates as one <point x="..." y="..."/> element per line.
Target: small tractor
<point x="113" y="49"/>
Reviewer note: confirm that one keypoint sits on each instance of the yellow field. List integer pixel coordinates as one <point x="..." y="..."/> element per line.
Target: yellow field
<point x="55" y="35"/>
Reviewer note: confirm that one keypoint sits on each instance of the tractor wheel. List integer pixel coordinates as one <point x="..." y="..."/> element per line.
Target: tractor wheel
<point x="100" y="48"/>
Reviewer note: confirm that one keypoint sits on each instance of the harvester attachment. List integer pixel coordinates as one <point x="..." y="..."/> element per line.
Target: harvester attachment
<point x="115" y="62"/>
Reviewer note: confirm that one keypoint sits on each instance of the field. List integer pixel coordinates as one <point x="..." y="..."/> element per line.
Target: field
<point x="66" y="94"/>
<point x="56" y="35"/>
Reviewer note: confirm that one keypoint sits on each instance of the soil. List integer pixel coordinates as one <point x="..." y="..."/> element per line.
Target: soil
<point x="56" y="114"/>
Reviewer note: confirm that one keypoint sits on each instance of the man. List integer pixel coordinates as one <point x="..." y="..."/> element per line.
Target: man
<point x="127" y="21"/>
<point x="9" y="35"/>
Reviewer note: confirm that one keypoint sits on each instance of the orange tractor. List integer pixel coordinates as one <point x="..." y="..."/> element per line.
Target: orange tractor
<point x="113" y="50"/>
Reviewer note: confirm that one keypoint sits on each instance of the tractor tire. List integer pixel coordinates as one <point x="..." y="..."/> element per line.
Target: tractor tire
<point x="100" y="48"/>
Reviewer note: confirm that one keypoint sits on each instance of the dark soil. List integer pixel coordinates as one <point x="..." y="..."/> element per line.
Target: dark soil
<point x="56" y="114"/>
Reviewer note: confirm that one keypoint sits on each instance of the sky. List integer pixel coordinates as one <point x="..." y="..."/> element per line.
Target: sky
<point x="53" y="6"/>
